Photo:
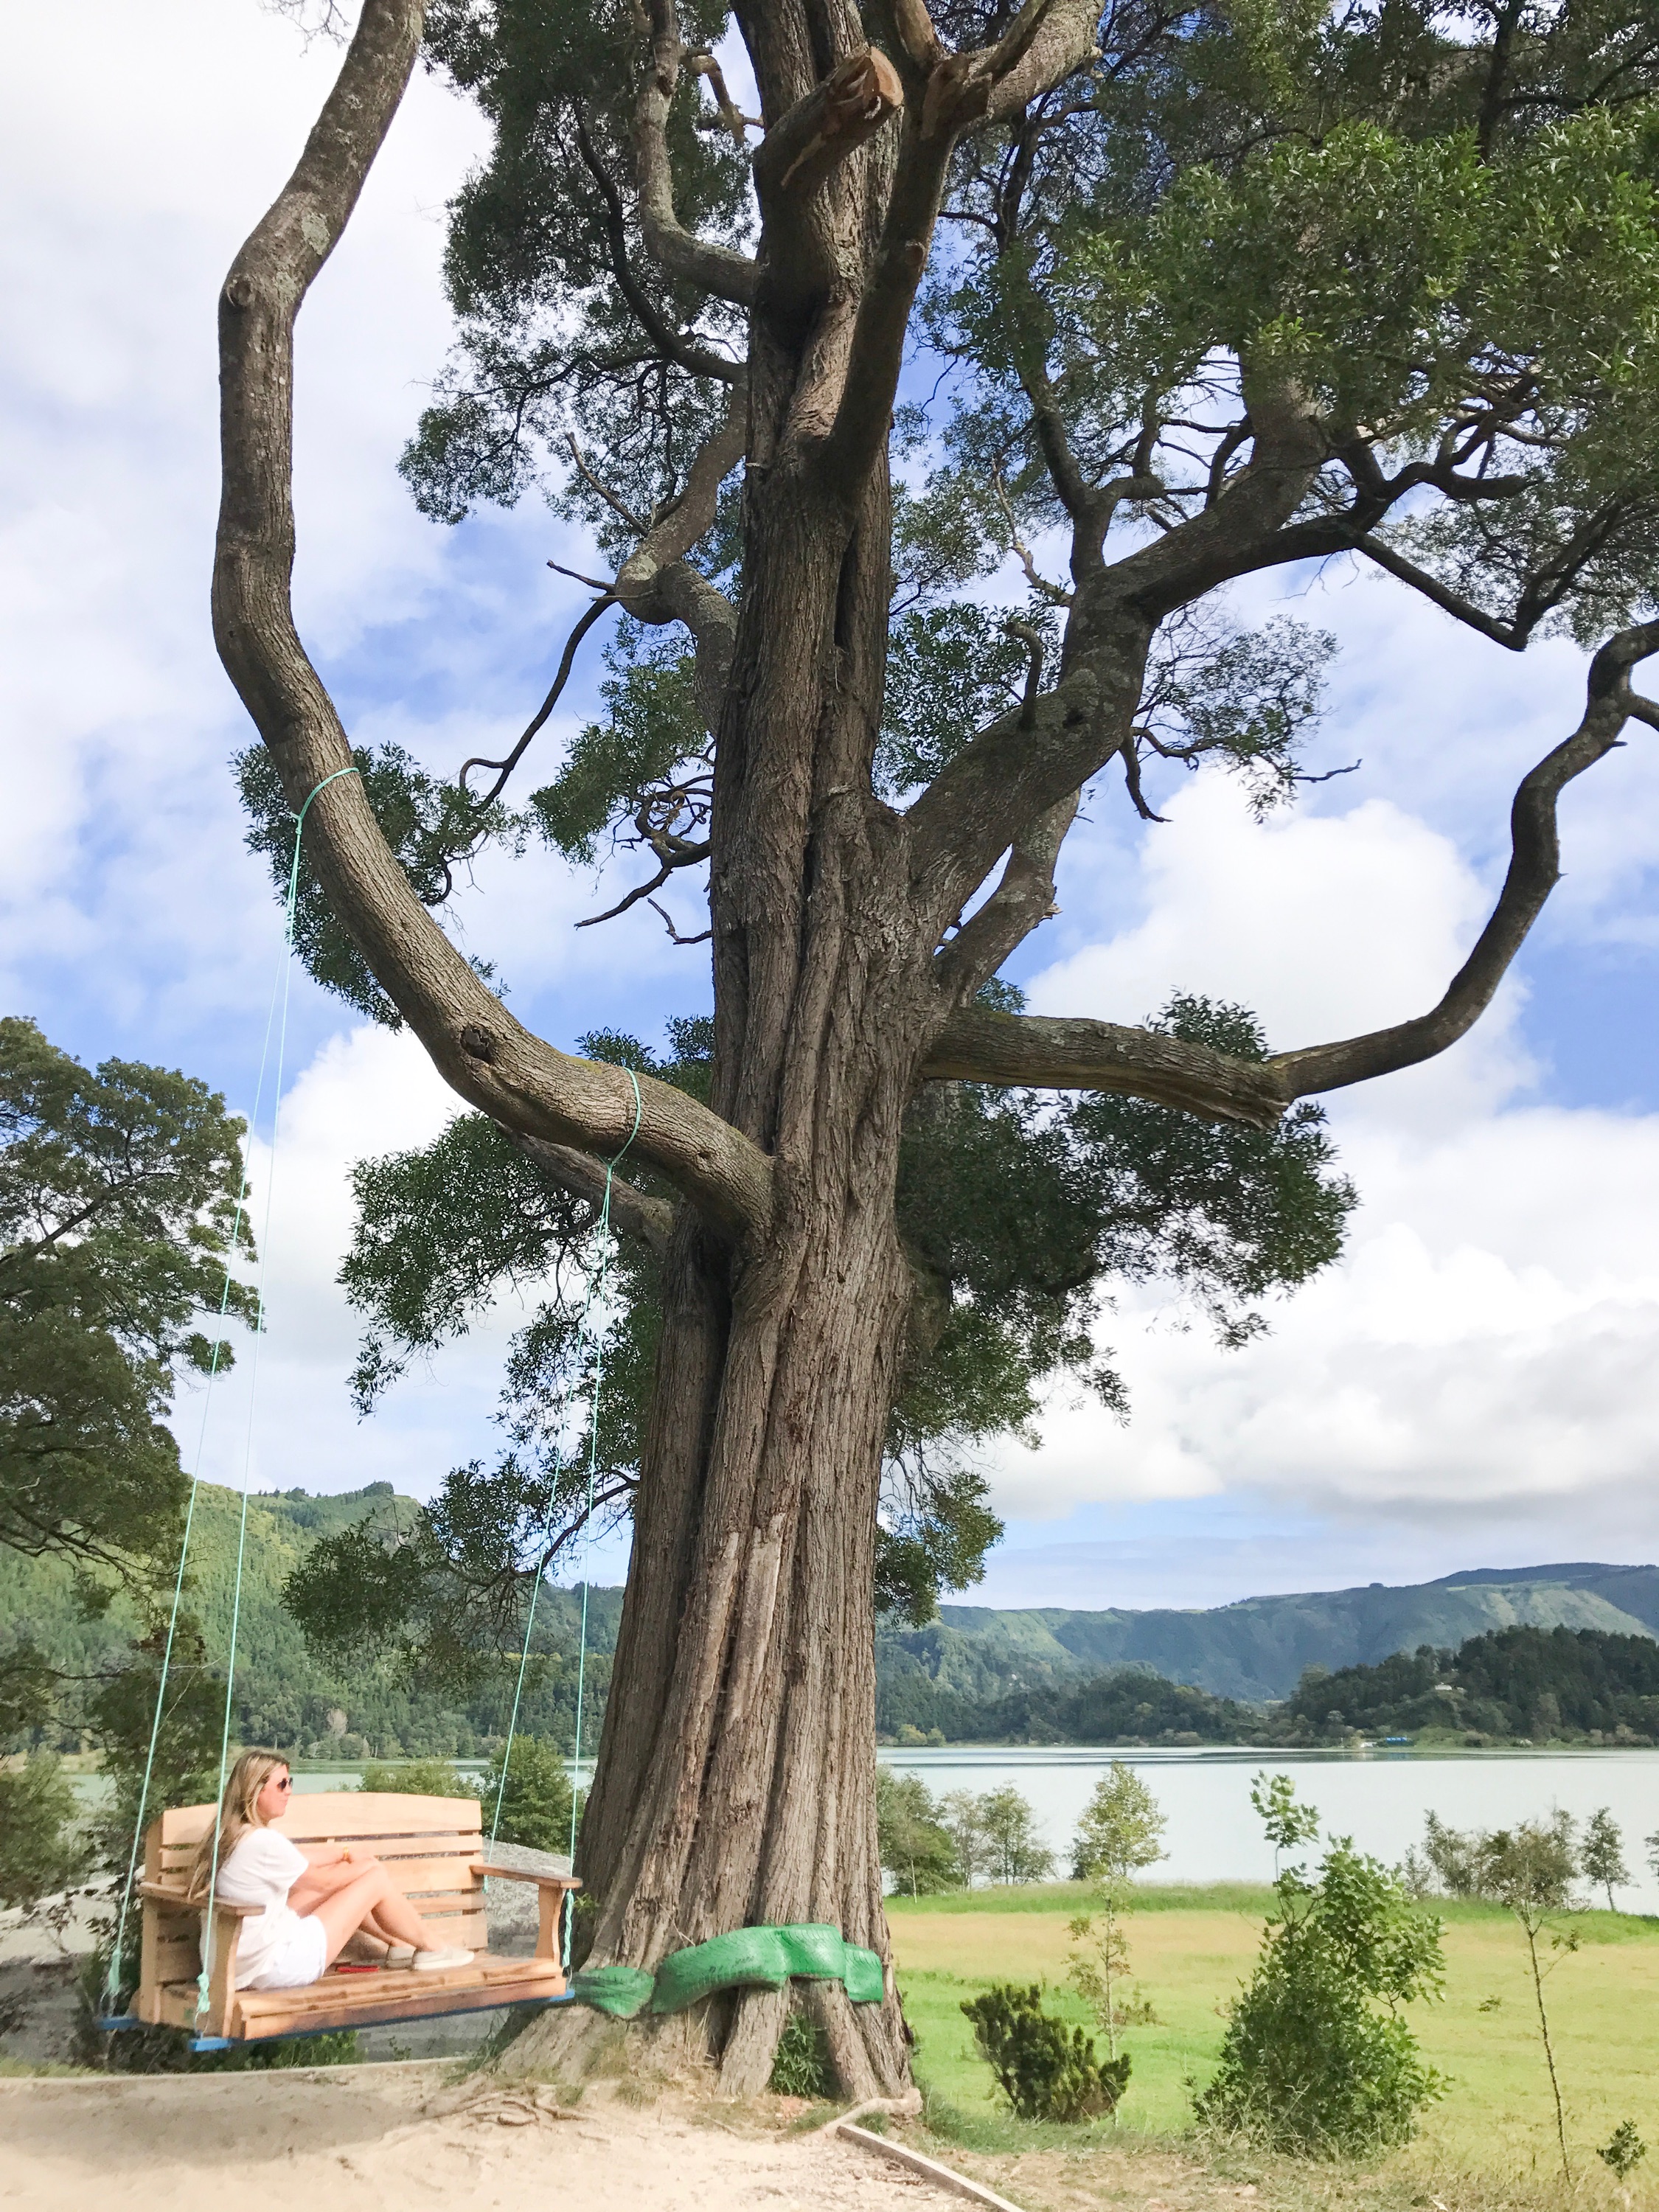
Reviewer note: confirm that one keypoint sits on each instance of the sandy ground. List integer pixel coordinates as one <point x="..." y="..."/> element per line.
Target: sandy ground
<point x="396" y="2139"/>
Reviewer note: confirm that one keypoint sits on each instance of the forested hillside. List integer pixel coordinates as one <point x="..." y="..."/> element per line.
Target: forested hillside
<point x="1512" y="1684"/>
<point x="1553" y="1652"/>
<point x="285" y="1697"/>
<point x="1258" y="1648"/>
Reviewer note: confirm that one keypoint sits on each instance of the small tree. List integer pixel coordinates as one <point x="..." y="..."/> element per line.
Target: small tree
<point x="1047" y="2070"/>
<point x="915" y="1847"/>
<point x="537" y="1802"/>
<point x="1289" y="1824"/>
<point x="1014" y="1844"/>
<point x="1531" y="1867"/>
<point x="1316" y="2057"/>
<point x="962" y="1818"/>
<point x="40" y="1851"/>
<point x="1601" y="1856"/>
<point x="1116" y="1838"/>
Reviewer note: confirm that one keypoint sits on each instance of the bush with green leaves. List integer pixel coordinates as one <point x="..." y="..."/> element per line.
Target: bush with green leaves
<point x="802" y="2067"/>
<point x="536" y="1807"/>
<point x="41" y="1850"/>
<point x="1046" y="2069"/>
<point x="914" y="1846"/>
<point x="1317" y="2058"/>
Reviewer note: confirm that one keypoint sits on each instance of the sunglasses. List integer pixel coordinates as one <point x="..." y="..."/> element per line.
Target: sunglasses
<point x="286" y="1783"/>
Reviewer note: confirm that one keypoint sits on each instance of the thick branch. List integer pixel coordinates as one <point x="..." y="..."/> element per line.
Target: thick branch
<point x="632" y="1213"/>
<point x="798" y="153"/>
<point x="688" y="354"/>
<point x="657" y="585"/>
<point x="480" y="1049"/>
<point x="1533" y="871"/>
<point x="717" y="268"/>
<point x="977" y="1045"/>
<point x="1020" y="903"/>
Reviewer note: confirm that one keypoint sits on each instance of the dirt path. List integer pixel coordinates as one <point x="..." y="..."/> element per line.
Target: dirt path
<point x="357" y="2139"/>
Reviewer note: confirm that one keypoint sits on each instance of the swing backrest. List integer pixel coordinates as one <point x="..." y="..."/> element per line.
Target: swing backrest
<point x="430" y="1846"/>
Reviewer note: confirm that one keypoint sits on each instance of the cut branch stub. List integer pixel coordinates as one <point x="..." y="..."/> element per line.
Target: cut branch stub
<point x="857" y="97"/>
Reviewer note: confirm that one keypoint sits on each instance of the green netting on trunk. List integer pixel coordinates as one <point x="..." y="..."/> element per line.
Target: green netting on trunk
<point x="749" y="1957"/>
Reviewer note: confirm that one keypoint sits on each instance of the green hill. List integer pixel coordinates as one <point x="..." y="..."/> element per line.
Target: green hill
<point x="285" y="1698"/>
<point x="1257" y="1649"/>
<point x="977" y="1674"/>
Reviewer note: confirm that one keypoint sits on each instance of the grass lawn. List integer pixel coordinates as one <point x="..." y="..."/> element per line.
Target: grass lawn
<point x="1189" y="1950"/>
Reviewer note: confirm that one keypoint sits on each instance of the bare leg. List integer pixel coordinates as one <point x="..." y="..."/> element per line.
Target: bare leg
<point x="372" y="1893"/>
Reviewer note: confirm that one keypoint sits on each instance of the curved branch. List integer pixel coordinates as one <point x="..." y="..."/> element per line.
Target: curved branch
<point x="585" y="623"/>
<point x="716" y="269"/>
<point x="476" y="1044"/>
<point x="686" y="860"/>
<point x="976" y="1045"/>
<point x="1533" y="871"/>
<point x="696" y="359"/>
<point x="632" y="1213"/>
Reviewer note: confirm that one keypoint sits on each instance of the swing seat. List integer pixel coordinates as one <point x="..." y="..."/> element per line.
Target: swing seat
<point x="433" y="1849"/>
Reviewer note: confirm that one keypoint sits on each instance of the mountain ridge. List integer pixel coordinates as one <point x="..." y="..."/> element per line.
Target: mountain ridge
<point x="1255" y="1649"/>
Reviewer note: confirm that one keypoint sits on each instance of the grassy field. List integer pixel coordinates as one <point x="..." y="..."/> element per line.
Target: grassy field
<point x="1190" y="1949"/>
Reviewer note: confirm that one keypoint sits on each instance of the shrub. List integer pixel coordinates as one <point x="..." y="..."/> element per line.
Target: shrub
<point x="1316" y="2057"/>
<point x="422" y="1777"/>
<point x="802" y="2067"/>
<point x="536" y="1808"/>
<point x="1047" y="2070"/>
<point x="39" y="1850"/>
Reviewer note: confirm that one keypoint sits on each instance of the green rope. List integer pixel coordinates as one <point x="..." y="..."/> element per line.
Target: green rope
<point x="112" y="1986"/>
<point x="595" y="1292"/>
<point x="205" y="1979"/>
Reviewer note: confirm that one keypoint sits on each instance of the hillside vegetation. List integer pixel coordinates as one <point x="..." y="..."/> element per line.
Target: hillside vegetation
<point x="1547" y="1655"/>
<point x="1258" y="1649"/>
<point x="285" y="1697"/>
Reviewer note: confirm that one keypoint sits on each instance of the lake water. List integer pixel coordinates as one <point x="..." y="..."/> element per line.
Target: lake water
<point x="1379" y="1798"/>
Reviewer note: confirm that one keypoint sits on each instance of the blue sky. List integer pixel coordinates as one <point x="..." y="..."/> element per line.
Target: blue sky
<point x="1474" y="1385"/>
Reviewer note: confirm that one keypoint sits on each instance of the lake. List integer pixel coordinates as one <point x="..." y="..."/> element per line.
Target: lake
<point x="1379" y="1798"/>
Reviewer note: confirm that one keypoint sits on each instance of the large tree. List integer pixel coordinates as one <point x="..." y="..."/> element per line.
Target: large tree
<point x="1202" y="292"/>
<point x="120" y="1206"/>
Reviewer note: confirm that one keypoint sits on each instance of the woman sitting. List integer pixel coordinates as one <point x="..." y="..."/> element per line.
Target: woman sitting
<point x="315" y="1897"/>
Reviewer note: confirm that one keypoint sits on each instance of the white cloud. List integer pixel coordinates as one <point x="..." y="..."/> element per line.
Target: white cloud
<point x="368" y="1093"/>
<point x="1325" y="925"/>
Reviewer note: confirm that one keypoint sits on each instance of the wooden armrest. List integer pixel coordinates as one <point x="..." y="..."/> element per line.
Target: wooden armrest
<point x="163" y="1893"/>
<point x="520" y="1873"/>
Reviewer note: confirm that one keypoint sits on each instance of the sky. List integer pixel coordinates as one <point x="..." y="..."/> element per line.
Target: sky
<point x="1474" y="1385"/>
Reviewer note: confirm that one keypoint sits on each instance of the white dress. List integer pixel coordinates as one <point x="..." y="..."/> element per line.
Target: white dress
<point x="278" y="1949"/>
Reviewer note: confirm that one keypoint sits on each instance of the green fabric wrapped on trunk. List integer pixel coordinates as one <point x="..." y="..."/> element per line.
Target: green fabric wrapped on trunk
<point x="620" y="1991"/>
<point x="749" y="1957"/>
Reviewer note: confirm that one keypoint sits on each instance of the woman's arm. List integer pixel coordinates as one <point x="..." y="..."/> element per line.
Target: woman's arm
<point x="332" y="1868"/>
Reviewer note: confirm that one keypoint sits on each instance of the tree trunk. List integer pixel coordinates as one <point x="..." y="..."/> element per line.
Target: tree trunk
<point x="736" y="1779"/>
<point x="737" y="1768"/>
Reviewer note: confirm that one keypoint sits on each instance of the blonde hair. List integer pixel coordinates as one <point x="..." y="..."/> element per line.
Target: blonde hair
<point x="239" y="1814"/>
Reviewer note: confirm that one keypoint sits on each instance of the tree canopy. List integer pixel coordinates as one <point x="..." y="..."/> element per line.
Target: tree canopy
<point x="119" y="1189"/>
<point x="1020" y="1213"/>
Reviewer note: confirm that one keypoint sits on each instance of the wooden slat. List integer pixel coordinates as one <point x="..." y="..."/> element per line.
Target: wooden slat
<point x="340" y="1999"/>
<point x="454" y="1875"/>
<point x="343" y="1813"/>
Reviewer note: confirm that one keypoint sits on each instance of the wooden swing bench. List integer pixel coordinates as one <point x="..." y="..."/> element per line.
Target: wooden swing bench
<point x="434" y="1851"/>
